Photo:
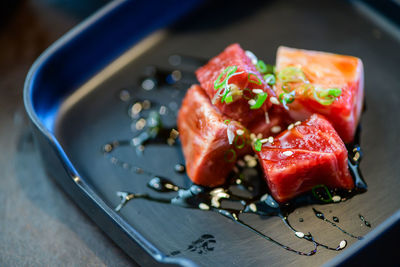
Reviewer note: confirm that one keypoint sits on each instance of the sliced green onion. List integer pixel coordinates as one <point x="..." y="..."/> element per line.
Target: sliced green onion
<point x="230" y="155"/>
<point x="229" y="99"/>
<point x="246" y="93"/>
<point x="227" y="121"/>
<point x="241" y="144"/>
<point x="326" y="96"/>
<point x="269" y="79"/>
<point x="257" y="145"/>
<point x="270" y="69"/>
<point x="287" y="98"/>
<point x="335" y="92"/>
<point x="291" y="74"/>
<point x="287" y="88"/>
<point x="329" y="196"/>
<point x="228" y="71"/>
<point x="253" y="78"/>
<point x="261" y="66"/>
<point x="260" y="99"/>
<point x="224" y="96"/>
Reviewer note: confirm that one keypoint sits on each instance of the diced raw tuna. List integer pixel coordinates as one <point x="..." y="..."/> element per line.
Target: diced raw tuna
<point x="244" y="77"/>
<point x="305" y="156"/>
<point x="275" y="121"/>
<point x="310" y="75"/>
<point x="209" y="153"/>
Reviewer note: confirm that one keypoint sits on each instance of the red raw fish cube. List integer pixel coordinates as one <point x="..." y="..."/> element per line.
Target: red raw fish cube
<point x="211" y="142"/>
<point x="306" y="155"/>
<point x="275" y="121"/>
<point x="232" y="71"/>
<point x="323" y="83"/>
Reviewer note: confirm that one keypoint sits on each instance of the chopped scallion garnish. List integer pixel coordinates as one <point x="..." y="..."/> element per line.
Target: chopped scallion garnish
<point x="318" y="195"/>
<point x="225" y="95"/>
<point x="253" y="78"/>
<point x="230" y="155"/>
<point x="261" y="66"/>
<point x="291" y="74"/>
<point x="228" y="71"/>
<point x="227" y="121"/>
<point x="260" y="99"/>
<point x="269" y="79"/>
<point x="241" y="144"/>
<point x="229" y="99"/>
<point x="248" y="94"/>
<point x="326" y="96"/>
<point x="257" y="145"/>
<point x="286" y="98"/>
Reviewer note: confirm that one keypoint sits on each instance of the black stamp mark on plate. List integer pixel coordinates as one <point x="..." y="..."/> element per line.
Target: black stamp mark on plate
<point x="203" y="245"/>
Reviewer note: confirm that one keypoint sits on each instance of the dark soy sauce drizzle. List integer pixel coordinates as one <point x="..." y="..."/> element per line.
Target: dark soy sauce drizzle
<point x="321" y="216"/>
<point x="244" y="188"/>
<point x="364" y="221"/>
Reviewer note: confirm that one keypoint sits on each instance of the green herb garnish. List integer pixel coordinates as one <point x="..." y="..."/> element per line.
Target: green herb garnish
<point x="241" y="144"/>
<point x="261" y="66"/>
<point x="253" y="78"/>
<point x="248" y="94"/>
<point x="291" y="74"/>
<point x="318" y="196"/>
<point x="228" y="71"/>
<point x="230" y="155"/>
<point x="326" y="96"/>
<point x="257" y="145"/>
<point x="269" y="79"/>
<point x="287" y="98"/>
<point x="260" y="99"/>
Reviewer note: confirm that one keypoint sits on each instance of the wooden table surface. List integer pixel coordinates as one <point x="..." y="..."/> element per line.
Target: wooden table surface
<point x="39" y="224"/>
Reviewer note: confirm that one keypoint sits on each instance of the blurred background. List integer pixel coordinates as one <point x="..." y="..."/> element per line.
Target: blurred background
<point x="38" y="224"/>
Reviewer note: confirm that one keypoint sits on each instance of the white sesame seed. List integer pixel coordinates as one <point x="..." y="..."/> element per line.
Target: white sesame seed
<point x="270" y="139"/>
<point x="258" y="91"/>
<point x="287" y="153"/>
<point x="216" y="191"/>
<point x="140" y="124"/>
<point x="240" y="132"/>
<point x="297" y="123"/>
<point x="252" y="102"/>
<point x="267" y="121"/>
<point x="252" y="136"/>
<point x="299" y="234"/>
<point x="343" y="244"/>
<point x="215" y="202"/>
<point x="248" y="157"/>
<point x="274" y="100"/>
<point x="259" y="136"/>
<point x="276" y="129"/>
<point x="264" y="197"/>
<point x="336" y="198"/>
<point x="252" y="163"/>
<point x="204" y="206"/>
<point x="253" y="207"/>
<point x="290" y="127"/>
